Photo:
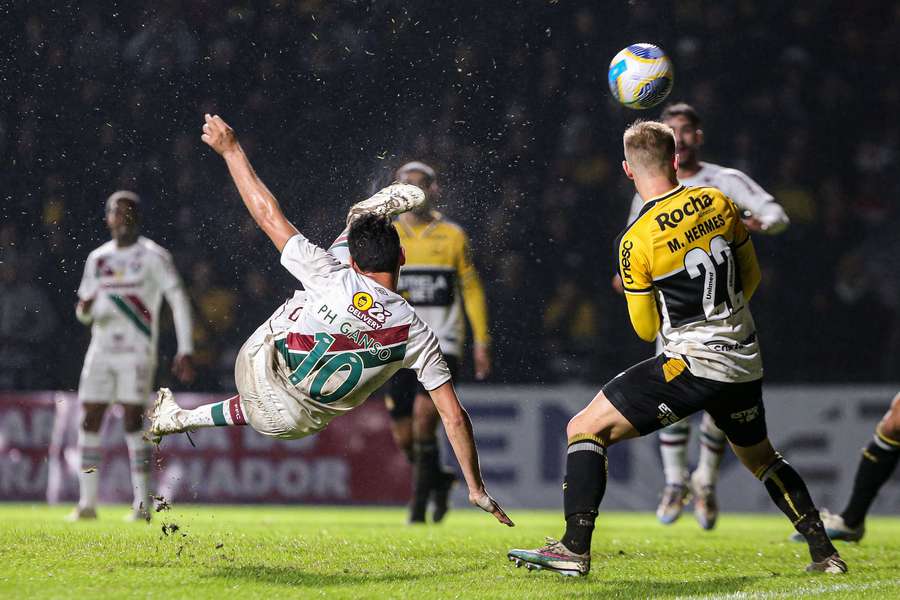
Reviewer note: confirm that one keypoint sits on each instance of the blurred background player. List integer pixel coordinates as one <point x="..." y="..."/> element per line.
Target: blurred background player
<point x="120" y="296"/>
<point x="877" y="464"/>
<point x="439" y="279"/>
<point x="761" y="214"/>
<point x="685" y="243"/>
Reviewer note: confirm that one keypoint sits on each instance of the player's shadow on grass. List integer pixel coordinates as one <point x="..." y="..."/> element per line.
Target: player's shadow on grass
<point x="299" y="577"/>
<point x="619" y="588"/>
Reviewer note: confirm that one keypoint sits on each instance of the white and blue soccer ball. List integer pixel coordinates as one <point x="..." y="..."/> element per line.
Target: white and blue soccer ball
<point x="641" y="76"/>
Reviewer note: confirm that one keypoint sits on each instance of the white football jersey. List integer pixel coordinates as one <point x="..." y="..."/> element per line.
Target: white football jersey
<point x="346" y="335"/>
<point x="127" y="286"/>
<point x="739" y="187"/>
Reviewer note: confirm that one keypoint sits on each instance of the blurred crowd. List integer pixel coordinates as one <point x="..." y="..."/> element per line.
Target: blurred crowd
<point x="508" y="100"/>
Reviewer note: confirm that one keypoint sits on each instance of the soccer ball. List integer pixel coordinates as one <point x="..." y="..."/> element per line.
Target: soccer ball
<point x="641" y="76"/>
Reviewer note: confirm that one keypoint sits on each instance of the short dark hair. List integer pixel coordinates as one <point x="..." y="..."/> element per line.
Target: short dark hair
<point x="374" y="244"/>
<point x="681" y="109"/>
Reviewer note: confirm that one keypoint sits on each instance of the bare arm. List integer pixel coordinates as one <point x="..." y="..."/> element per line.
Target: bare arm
<point x="459" y="431"/>
<point x="260" y="202"/>
<point x="182" y="366"/>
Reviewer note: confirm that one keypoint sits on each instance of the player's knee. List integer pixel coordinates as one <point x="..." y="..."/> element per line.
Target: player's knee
<point x="133" y="420"/>
<point x="402" y="432"/>
<point x="580" y="425"/>
<point x="92" y="418"/>
<point x="890" y="423"/>
<point x="758" y="457"/>
<point x="425" y="418"/>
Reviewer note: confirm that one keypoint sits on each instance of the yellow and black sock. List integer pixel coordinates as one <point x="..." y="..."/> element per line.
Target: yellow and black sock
<point x="787" y="490"/>
<point x="583" y="490"/>
<point x="879" y="459"/>
<point x="427" y="469"/>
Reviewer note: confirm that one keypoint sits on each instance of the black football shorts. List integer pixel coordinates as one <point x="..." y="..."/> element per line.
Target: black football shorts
<point x="662" y="391"/>
<point x="401" y="390"/>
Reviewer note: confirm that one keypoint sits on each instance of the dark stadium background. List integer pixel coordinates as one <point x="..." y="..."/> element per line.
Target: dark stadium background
<point x="508" y="100"/>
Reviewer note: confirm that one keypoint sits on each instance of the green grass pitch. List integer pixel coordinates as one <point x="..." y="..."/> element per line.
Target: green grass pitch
<point x="309" y="552"/>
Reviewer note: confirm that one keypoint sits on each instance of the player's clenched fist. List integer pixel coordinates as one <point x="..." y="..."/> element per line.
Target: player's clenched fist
<point x="218" y="135"/>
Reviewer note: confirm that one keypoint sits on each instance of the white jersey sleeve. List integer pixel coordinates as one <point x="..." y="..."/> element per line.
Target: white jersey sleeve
<point x="164" y="271"/>
<point x="312" y="266"/>
<point x="749" y="195"/>
<point x="340" y="248"/>
<point x="424" y="356"/>
<point x="90" y="285"/>
<point x="636" y="204"/>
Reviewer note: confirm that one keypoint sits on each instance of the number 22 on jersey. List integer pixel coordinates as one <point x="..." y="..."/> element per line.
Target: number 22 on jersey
<point x="720" y="294"/>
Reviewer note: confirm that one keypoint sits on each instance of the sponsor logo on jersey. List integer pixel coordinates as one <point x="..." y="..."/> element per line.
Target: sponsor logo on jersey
<point x="363" y="301"/>
<point x="625" y="261"/>
<point x="427" y="287"/>
<point x="723" y="345"/>
<point x="367" y="310"/>
<point x="695" y="205"/>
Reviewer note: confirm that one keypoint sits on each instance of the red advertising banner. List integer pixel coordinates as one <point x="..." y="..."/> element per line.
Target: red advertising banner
<point x="353" y="461"/>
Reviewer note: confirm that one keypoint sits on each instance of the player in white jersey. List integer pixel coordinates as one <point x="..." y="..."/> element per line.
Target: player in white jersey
<point x="762" y="214"/>
<point x="326" y="350"/>
<point x="120" y="297"/>
<point x="440" y="280"/>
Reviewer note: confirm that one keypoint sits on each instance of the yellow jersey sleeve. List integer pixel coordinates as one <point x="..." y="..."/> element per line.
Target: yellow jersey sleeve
<point x="473" y="296"/>
<point x="636" y="270"/>
<point x="745" y="256"/>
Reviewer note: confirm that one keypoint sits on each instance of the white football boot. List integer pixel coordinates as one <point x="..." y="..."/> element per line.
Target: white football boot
<point x="833" y="565"/>
<point x="166" y="416"/>
<point x="394" y="199"/>
<point x="836" y="528"/>
<point x="82" y="513"/>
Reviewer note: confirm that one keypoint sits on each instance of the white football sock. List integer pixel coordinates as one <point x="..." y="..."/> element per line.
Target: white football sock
<point x="673" y="444"/>
<point x="140" y="455"/>
<point x="89" y="447"/>
<point x="712" y="448"/>
<point x="219" y="414"/>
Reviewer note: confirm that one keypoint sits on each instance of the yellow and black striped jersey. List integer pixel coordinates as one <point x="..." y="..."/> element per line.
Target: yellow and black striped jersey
<point x="440" y="281"/>
<point x="688" y="268"/>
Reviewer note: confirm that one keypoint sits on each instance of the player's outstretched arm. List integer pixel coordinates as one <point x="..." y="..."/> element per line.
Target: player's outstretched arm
<point x="459" y="431"/>
<point x="257" y="198"/>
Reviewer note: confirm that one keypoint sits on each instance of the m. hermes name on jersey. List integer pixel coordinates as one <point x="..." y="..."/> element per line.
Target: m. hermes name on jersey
<point x="681" y="249"/>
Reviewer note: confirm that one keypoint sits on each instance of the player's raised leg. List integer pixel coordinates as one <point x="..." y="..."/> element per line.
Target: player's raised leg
<point x="706" y="475"/>
<point x="876" y="465"/>
<point x="168" y="418"/>
<point x="673" y="444"/>
<point x="590" y="433"/>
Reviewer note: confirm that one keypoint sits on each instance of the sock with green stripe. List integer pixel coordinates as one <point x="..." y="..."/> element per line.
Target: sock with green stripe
<point x="219" y="414"/>
<point x="789" y="493"/>
<point x="583" y="490"/>
<point x="140" y="455"/>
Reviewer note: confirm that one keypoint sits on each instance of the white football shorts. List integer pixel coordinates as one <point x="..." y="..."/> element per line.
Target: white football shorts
<point x="123" y="379"/>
